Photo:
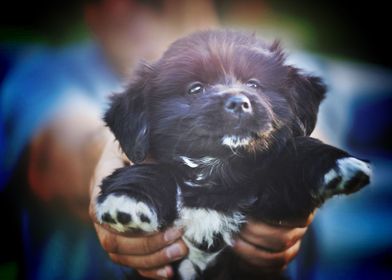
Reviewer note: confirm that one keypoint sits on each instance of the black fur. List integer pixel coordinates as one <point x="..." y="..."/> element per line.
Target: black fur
<point x="127" y="118"/>
<point x="245" y="90"/>
<point x="140" y="182"/>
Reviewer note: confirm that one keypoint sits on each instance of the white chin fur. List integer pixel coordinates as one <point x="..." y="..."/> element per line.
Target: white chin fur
<point x="233" y="141"/>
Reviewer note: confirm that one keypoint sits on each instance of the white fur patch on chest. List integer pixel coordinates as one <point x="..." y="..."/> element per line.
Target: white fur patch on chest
<point x="202" y="225"/>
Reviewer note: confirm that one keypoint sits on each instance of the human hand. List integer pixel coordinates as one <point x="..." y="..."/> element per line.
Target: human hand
<point x="150" y="254"/>
<point x="270" y="248"/>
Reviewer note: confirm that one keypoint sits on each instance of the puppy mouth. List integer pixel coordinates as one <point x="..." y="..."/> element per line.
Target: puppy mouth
<point x="243" y="137"/>
<point x="245" y="140"/>
<point x="234" y="141"/>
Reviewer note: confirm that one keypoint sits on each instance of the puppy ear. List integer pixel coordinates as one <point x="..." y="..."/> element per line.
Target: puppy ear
<point x="307" y="92"/>
<point x="127" y="117"/>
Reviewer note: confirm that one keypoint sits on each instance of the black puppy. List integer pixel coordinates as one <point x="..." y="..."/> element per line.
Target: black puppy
<point x="228" y="123"/>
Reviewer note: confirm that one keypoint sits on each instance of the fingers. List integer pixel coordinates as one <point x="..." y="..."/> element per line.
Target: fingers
<point x="309" y="220"/>
<point x="159" y="273"/>
<point x="269" y="261"/>
<point x="136" y="245"/>
<point x="268" y="246"/>
<point x="150" y="253"/>
<point x="271" y="238"/>
<point x="161" y="258"/>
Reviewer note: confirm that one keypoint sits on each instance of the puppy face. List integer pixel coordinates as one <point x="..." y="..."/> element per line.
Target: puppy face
<point x="213" y="93"/>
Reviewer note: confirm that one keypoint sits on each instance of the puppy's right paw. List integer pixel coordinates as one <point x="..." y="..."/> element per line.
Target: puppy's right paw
<point x="123" y="213"/>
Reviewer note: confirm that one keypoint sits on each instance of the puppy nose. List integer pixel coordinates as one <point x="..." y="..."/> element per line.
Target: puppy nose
<point x="238" y="104"/>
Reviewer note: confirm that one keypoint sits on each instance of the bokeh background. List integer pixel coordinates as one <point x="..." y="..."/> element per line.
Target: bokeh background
<point x="59" y="61"/>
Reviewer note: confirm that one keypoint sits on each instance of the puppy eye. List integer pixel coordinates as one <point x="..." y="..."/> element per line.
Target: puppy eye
<point x="195" y="88"/>
<point x="253" y="83"/>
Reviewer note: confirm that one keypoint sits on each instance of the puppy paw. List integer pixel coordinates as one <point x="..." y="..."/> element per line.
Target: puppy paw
<point x="123" y="213"/>
<point x="347" y="176"/>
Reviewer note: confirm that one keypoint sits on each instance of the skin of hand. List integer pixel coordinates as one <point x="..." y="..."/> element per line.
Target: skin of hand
<point x="270" y="248"/>
<point x="150" y="254"/>
<point x="262" y="246"/>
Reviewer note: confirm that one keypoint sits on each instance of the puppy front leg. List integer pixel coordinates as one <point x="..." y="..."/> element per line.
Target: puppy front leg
<point x="331" y="170"/>
<point x="138" y="198"/>
<point x="304" y="174"/>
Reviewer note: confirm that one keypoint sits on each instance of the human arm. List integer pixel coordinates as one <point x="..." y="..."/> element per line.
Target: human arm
<point x="62" y="157"/>
<point x="150" y="255"/>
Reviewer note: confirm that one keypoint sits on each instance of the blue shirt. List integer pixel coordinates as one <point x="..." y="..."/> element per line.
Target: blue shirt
<point x="41" y="81"/>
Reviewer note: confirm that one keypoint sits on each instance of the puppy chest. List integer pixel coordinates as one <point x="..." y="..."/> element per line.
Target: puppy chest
<point x="205" y="227"/>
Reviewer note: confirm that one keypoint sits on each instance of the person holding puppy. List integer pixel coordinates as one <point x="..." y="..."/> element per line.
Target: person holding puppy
<point x="150" y="255"/>
<point x="262" y="246"/>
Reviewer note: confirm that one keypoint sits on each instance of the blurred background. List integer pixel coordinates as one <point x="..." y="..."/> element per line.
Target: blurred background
<point x="60" y="60"/>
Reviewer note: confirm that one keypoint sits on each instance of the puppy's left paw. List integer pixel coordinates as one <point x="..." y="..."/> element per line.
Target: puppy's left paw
<point x="347" y="176"/>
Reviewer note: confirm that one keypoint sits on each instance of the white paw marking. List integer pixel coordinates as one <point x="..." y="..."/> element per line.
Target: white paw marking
<point x="142" y="217"/>
<point x="347" y="168"/>
<point x="233" y="141"/>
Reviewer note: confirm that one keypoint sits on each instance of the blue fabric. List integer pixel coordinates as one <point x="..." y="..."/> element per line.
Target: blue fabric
<point x="33" y="89"/>
<point x="39" y="82"/>
<point x="65" y="249"/>
<point x="354" y="232"/>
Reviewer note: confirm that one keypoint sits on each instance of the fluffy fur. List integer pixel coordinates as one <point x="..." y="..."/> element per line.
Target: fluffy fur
<point x="228" y="123"/>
